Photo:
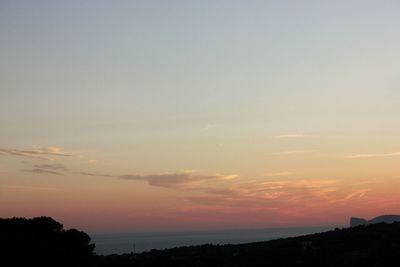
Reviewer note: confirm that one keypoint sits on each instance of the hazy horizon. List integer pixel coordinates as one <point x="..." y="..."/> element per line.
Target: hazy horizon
<point x="109" y="243"/>
<point x="187" y="115"/>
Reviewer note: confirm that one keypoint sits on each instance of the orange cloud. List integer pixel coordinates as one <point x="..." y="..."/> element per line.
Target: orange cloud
<point x="288" y="197"/>
<point x="284" y="173"/>
<point x="358" y="156"/>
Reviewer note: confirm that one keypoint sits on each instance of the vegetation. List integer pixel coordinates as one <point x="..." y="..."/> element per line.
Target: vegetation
<point x="43" y="242"/>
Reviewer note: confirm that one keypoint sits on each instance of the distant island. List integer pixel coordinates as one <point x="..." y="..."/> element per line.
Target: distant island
<point x="43" y="241"/>
<point x="380" y="219"/>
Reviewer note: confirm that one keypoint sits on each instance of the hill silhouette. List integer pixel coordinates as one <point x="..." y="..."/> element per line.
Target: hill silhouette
<point x="43" y="242"/>
<point x="366" y="245"/>
<point x="380" y="219"/>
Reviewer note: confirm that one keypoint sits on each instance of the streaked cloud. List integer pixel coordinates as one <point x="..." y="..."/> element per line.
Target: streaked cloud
<point x="29" y="188"/>
<point x="393" y="154"/>
<point x="289" y="136"/>
<point x="357" y="194"/>
<point x="53" y="151"/>
<point x="53" y="169"/>
<point x="43" y="171"/>
<point x="42" y="153"/>
<point x="57" y="167"/>
<point x="284" y="173"/>
<point x="361" y="155"/>
<point x="357" y="156"/>
<point x="295" y="152"/>
<point x="285" y="195"/>
<point x="97" y="174"/>
<point x="183" y="180"/>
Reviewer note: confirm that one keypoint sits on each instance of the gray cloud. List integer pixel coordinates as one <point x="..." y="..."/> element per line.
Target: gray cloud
<point x="43" y="171"/>
<point x="55" y="167"/>
<point x="176" y="180"/>
<point x="96" y="174"/>
<point x="35" y="153"/>
<point x="181" y="180"/>
<point x="15" y="152"/>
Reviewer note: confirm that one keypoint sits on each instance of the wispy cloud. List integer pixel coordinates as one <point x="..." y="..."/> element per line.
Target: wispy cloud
<point x="376" y="155"/>
<point x="176" y="180"/>
<point x="289" y="136"/>
<point x="53" y="151"/>
<point x="294" y="152"/>
<point x="30" y="188"/>
<point x="357" y="194"/>
<point x="43" y="171"/>
<point x="393" y="154"/>
<point x="42" y="153"/>
<point x="97" y="174"/>
<point x="287" y="196"/>
<point x="276" y="193"/>
<point x="57" y="167"/>
<point x="275" y="174"/>
<point x="358" y="156"/>
<point x="54" y="169"/>
<point x="20" y="153"/>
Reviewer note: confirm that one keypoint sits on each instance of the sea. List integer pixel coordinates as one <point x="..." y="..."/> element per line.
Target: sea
<point x="139" y="242"/>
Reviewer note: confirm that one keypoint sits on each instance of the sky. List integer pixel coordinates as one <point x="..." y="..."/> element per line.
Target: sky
<point x="180" y="115"/>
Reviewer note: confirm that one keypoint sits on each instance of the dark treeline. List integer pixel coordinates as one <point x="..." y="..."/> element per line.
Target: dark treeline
<point x="43" y="242"/>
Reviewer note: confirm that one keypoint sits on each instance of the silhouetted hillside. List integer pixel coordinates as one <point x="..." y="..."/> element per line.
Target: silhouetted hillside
<point x="380" y="219"/>
<point x="43" y="242"/>
<point x="369" y="245"/>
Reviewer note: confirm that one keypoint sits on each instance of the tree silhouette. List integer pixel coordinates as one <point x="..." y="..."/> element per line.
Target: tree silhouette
<point x="42" y="241"/>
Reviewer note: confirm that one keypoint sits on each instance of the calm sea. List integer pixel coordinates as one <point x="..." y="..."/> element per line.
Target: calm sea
<point x="127" y="242"/>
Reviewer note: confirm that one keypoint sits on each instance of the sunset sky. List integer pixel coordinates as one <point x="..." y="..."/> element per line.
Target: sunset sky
<point x="179" y="115"/>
